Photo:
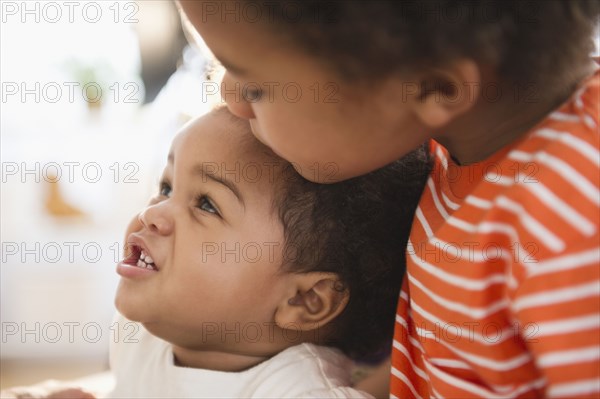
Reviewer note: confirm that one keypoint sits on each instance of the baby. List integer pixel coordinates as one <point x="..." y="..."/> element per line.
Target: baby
<point x="246" y="280"/>
<point x="245" y="275"/>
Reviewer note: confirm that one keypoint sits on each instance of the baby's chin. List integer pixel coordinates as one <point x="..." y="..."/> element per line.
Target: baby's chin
<point x="129" y="306"/>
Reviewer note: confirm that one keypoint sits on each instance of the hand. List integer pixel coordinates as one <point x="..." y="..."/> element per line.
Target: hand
<point x="37" y="393"/>
<point x="71" y="393"/>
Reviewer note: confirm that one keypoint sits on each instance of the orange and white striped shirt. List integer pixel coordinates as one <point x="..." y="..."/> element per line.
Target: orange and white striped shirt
<point x="502" y="292"/>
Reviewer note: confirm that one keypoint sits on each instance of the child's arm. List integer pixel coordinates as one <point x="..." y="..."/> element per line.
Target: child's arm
<point x="562" y="329"/>
<point x="48" y="390"/>
<point x="93" y="386"/>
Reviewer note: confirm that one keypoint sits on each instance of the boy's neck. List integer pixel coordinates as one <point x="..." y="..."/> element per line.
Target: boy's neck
<point x="490" y="126"/>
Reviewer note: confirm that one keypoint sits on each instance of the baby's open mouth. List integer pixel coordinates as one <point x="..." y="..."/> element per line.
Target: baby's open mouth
<point x="138" y="257"/>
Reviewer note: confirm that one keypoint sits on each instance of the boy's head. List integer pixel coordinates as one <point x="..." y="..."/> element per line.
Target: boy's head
<point x="524" y="40"/>
<point x="362" y="83"/>
<point x="238" y="254"/>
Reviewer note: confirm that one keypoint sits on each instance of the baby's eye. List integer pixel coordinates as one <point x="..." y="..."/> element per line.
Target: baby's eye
<point x="164" y="189"/>
<point x="205" y="203"/>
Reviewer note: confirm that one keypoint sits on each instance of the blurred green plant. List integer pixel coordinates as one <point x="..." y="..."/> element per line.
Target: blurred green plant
<point x="92" y="79"/>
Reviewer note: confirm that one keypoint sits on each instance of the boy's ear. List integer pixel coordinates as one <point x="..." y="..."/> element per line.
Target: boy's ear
<point x="445" y="93"/>
<point x="314" y="300"/>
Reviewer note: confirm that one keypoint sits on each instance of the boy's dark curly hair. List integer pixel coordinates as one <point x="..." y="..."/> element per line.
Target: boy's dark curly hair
<point x="358" y="229"/>
<point x="523" y="40"/>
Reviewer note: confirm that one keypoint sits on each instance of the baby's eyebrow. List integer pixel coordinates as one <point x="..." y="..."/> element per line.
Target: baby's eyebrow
<point x="201" y="170"/>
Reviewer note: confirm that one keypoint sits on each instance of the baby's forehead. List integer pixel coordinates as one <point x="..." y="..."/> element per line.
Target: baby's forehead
<point x="220" y="131"/>
<point x="226" y="145"/>
<point x="216" y="125"/>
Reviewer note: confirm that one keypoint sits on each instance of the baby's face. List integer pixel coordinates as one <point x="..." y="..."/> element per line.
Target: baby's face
<point x="204" y="257"/>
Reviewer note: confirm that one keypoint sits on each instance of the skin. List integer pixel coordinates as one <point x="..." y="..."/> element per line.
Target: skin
<point x="196" y="229"/>
<point x="49" y="393"/>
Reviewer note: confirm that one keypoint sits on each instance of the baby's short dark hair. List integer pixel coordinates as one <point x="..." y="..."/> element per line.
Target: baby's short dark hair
<point x="358" y="229"/>
<point x="524" y="40"/>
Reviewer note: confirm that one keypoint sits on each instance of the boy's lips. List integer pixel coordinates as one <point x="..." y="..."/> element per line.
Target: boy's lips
<point x="137" y="254"/>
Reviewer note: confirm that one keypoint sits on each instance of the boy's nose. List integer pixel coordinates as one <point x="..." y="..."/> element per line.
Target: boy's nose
<point x="156" y="219"/>
<point x="232" y="94"/>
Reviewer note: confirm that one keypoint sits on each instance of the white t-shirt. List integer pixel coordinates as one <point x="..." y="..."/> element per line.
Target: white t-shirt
<point x="145" y="369"/>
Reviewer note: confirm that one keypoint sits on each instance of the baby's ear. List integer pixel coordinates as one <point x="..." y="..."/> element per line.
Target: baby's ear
<point x="314" y="300"/>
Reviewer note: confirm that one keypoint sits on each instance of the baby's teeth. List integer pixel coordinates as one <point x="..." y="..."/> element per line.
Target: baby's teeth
<point x="142" y="255"/>
<point x="141" y="263"/>
<point x="148" y="259"/>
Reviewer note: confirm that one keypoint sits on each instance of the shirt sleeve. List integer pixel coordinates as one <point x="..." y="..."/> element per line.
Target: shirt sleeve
<point x="557" y="309"/>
